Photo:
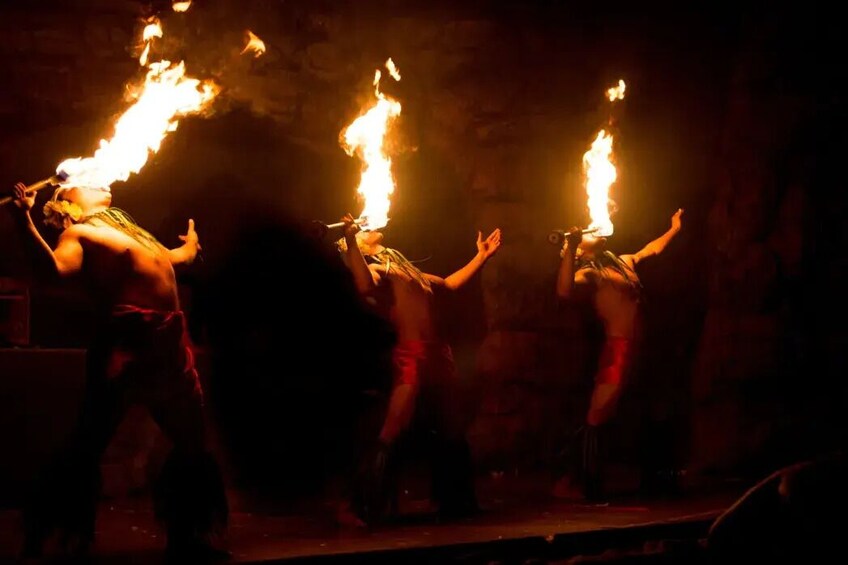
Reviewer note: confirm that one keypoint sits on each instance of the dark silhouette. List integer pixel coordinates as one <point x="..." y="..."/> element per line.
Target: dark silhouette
<point x="140" y="354"/>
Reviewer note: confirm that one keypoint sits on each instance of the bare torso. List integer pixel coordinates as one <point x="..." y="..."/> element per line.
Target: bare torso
<point x="121" y="270"/>
<point x="616" y="301"/>
<point x="411" y="308"/>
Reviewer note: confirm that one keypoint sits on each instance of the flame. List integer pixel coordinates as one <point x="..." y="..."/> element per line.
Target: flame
<point x="166" y="95"/>
<point x="254" y="45"/>
<point x="601" y="173"/>
<point x="144" y="55"/>
<point x="392" y="68"/>
<point x="366" y="137"/>
<point x="181" y="6"/>
<point x="616" y="92"/>
<point x="151" y="30"/>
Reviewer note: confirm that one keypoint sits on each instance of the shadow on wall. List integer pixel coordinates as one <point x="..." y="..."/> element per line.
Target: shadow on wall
<point x="293" y="353"/>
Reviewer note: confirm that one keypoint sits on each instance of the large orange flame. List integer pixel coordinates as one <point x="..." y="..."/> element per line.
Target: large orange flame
<point x="366" y="137"/>
<point x="166" y="95"/>
<point x="254" y="45"/>
<point x="600" y="174"/>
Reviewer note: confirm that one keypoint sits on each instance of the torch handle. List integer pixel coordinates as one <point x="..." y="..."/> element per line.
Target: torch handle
<point x="583" y="231"/>
<point x="319" y="229"/>
<point x="341" y="224"/>
<point x="557" y="237"/>
<point x="35" y="187"/>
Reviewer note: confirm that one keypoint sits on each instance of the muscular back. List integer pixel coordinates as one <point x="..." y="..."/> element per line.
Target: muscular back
<point x="121" y="270"/>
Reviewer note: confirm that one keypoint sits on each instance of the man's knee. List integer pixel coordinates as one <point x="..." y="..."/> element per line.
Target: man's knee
<point x="394" y="425"/>
<point x="399" y="413"/>
<point x="603" y="404"/>
<point x="605" y="394"/>
<point x="182" y="421"/>
<point x="597" y="417"/>
<point x="390" y="432"/>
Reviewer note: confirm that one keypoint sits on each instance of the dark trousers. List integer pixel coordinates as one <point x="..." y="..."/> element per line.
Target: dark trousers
<point x="139" y="359"/>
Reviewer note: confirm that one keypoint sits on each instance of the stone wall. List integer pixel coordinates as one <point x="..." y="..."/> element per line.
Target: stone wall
<point x="765" y="385"/>
<point x="500" y="99"/>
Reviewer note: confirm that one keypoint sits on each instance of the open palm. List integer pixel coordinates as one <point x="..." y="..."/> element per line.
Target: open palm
<point x="487" y="247"/>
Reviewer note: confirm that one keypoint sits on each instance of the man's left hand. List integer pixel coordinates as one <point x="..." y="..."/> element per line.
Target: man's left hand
<point x="190" y="238"/>
<point x="487" y="247"/>
<point x="675" y="220"/>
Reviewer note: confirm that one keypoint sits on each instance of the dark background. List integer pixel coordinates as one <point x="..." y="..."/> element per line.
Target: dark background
<point x="734" y="114"/>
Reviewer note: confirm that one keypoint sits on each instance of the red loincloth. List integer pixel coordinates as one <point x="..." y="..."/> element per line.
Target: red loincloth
<point x="614" y="361"/>
<point x="417" y="361"/>
<point x="149" y="350"/>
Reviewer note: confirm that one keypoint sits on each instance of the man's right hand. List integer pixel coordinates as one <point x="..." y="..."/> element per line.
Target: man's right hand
<point x="573" y="239"/>
<point x="23" y="200"/>
<point x="351" y="228"/>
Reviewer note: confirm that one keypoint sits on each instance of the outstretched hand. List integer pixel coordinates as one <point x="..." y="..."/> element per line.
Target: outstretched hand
<point x="191" y="238"/>
<point x="489" y="246"/>
<point x="675" y="220"/>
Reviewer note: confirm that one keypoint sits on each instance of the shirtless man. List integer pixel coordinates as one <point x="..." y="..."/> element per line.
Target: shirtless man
<point x="425" y="380"/>
<point x="613" y="286"/>
<point x="140" y="354"/>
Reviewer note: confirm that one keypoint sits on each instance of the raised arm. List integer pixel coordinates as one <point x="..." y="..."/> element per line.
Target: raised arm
<point x="658" y="245"/>
<point x="485" y="249"/>
<point x="364" y="278"/>
<point x="187" y="252"/>
<point x="65" y="260"/>
<point x="567" y="278"/>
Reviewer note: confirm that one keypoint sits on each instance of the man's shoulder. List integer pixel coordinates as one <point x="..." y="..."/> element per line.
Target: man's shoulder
<point x="75" y="231"/>
<point x="85" y="232"/>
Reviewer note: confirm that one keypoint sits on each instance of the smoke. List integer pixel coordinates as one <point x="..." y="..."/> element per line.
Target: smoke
<point x="314" y="77"/>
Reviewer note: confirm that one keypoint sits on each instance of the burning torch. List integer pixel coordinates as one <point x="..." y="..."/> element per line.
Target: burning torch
<point x="55" y="180"/>
<point x="557" y="237"/>
<point x="601" y="173"/>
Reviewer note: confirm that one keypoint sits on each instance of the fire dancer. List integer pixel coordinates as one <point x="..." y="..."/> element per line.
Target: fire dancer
<point x="612" y="285"/>
<point x="140" y="354"/>
<point x="424" y="385"/>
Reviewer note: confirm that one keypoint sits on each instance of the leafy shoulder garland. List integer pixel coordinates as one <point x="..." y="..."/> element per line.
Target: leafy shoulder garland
<point x="394" y="258"/>
<point x="123" y="222"/>
<point x="610" y="260"/>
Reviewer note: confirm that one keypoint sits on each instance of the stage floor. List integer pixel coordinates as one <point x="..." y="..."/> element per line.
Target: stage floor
<point x="127" y="533"/>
